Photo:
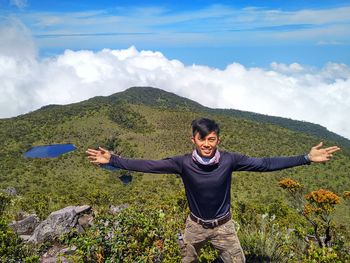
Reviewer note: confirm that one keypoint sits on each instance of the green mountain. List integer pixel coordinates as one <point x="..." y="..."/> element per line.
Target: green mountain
<point x="160" y="98"/>
<point x="144" y="122"/>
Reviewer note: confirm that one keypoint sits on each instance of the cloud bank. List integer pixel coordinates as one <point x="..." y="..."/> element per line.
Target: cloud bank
<point x="27" y="82"/>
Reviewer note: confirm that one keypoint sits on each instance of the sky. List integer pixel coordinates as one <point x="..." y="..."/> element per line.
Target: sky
<point x="281" y="58"/>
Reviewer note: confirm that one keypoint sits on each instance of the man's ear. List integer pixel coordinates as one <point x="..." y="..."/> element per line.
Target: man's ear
<point x="192" y="139"/>
<point x="219" y="140"/>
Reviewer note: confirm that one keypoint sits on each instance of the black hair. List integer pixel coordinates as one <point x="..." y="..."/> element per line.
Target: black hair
<point x="204" y="126"/>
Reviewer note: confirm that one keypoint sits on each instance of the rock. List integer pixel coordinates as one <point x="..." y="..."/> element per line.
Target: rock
<point x="117" y="209"/>
<point x="58" y="223"/>
<point x="21" y="215"/>
<point x="61" y="222"/>
<point x="85" y="220"/>
<point x="68" y="250"/>
<point x="10" y="191"/>
<point x="80" y="229"/>
<point x="25" y="226"/>
<point x="54" y="260"/>
<point x="25" y="238"/>
<point x="83" y="209"/>
<point x="54" y="255"/>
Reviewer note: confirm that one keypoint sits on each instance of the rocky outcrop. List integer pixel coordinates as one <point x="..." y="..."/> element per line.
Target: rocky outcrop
<point x="25" y="226"/>
<point x="60" y="222"/>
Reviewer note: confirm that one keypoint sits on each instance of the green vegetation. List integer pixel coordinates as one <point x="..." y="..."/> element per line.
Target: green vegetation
<point x="153" y="124"/>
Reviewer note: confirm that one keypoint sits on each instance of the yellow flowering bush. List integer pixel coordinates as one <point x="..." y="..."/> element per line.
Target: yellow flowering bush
<point x="317" y="208"/>
<point x="321" y="201"/>
<point x="290" y="185"/>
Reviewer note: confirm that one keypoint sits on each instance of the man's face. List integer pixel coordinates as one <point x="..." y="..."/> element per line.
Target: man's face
<point x="206" y="146"/>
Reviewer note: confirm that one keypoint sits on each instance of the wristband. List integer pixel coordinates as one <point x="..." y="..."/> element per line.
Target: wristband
<point x="307" y="158"/>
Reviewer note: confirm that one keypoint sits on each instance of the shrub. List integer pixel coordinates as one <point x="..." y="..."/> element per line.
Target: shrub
<point x="346" y="195"/>
<point x="5" y="200"/>
<point x="318" y="210"/>
<point x="267" y="241"/>
<point x="321" y="254"/>
<point x="37" y="203"/>
<point x="322" y="201"/>
<point x="12" y="249"/>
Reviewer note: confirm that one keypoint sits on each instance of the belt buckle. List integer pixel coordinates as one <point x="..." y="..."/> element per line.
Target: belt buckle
<point x="207" y="225"/>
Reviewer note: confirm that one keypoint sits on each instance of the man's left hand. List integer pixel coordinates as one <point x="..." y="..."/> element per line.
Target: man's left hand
<point x="318" y="154"/>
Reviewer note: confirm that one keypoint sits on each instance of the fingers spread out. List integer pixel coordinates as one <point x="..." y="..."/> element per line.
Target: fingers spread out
<point x="94" y="156"/>
<point x="103" y="149"/>
<point x="92" y="151"/>
<point x="332" y="149"/>
<point x="318" y="146"/>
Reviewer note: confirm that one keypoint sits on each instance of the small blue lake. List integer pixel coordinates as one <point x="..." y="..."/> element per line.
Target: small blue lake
<point x="49" y="151"/>
<point x="125" y="178"/>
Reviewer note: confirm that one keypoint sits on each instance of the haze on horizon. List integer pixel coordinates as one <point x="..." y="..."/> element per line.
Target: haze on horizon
<point x="287" y="61"/>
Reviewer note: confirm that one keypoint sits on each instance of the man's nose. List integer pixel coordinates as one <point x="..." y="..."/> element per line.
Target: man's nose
<point x="206" y="143"/>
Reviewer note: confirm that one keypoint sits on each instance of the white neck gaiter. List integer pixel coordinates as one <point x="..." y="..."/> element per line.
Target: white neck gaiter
<point x="206" y="161"/>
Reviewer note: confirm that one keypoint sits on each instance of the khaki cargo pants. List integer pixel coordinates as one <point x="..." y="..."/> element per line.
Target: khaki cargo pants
<point x="223" y="238"/>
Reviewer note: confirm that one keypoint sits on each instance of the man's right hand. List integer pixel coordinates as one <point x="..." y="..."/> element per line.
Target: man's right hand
<point x="100" y="156"/>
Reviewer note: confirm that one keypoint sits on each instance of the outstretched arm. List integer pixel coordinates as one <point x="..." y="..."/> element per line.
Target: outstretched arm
<point x="103" y="156"/>
<point x="318" y="154"/>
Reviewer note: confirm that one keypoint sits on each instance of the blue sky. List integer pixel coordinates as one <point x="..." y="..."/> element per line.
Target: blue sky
<point x="253" y="33"/>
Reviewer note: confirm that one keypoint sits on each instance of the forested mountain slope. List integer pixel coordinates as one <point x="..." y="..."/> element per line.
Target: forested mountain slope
<point x="157" y="97"/>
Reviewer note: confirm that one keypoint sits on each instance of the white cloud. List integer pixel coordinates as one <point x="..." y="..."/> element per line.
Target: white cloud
<point x="295" y="91"/>
<point x="16" y="40"/>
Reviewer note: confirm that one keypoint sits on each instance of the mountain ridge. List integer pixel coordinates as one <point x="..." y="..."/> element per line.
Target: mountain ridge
<point x="157" y="97"/>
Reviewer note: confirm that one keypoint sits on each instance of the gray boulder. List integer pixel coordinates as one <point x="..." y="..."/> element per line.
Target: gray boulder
<point x="58" y="223"/>
<point x="82" y="209"/>
<point x="25" y="226"/>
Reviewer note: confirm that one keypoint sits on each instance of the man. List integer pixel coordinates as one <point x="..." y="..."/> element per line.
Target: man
<point x="206" y="174"/>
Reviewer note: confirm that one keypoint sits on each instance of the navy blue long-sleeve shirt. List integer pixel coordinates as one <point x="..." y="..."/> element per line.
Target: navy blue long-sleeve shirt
<point x="208" y="187"/>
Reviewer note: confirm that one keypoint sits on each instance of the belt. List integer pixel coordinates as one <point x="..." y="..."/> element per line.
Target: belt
<point x="211" y="223"/>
